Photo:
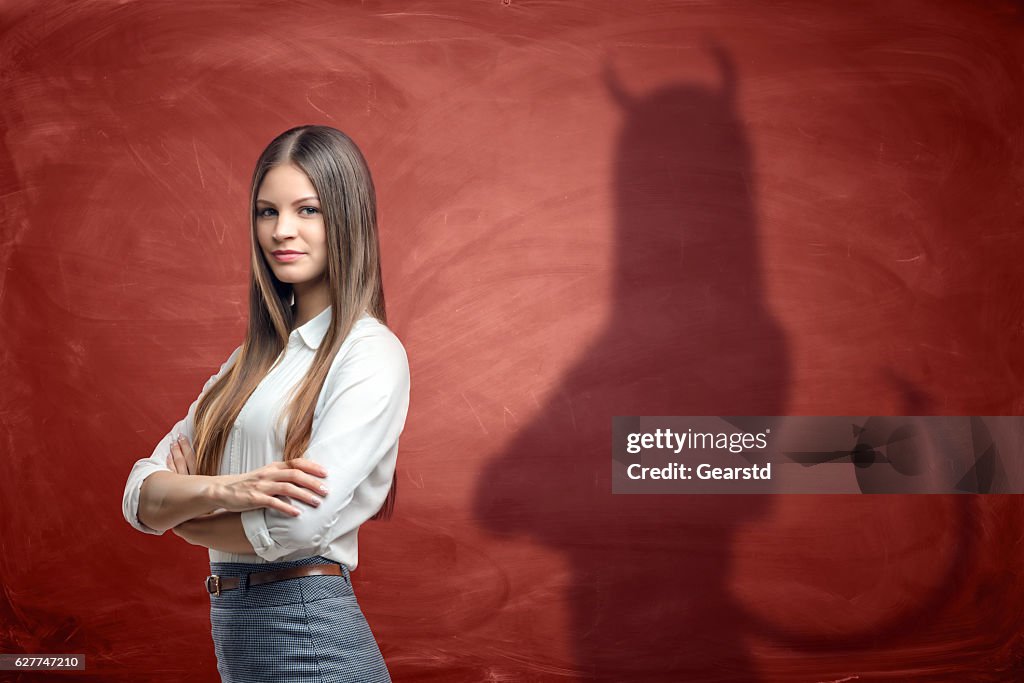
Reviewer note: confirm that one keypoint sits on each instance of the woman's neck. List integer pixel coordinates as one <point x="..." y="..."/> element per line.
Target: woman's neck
<point x="309" y="304"/>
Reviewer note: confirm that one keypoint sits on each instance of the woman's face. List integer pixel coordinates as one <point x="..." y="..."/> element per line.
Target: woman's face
<point x="290" y="228"/>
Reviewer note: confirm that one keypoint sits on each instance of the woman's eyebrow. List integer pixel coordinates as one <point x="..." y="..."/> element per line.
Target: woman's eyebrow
<point x="297" y="201"/>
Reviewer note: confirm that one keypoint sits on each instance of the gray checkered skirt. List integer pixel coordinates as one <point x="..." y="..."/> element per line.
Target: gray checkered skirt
<point x="309" y="629"/>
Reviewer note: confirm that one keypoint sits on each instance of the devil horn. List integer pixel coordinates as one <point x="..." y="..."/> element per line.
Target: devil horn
<point x="726" y="67"/>
<point x="615" y="87"/>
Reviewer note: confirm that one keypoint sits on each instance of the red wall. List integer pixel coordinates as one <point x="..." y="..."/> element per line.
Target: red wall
<point x="588" y="209"/>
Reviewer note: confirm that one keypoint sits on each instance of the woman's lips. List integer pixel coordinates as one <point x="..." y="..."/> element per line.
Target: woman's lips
<point x="285" y="258"/>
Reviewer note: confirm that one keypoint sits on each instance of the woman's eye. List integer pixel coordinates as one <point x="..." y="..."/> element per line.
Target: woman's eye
<point x="262" y="213"/>
<point x="311" y="208"/>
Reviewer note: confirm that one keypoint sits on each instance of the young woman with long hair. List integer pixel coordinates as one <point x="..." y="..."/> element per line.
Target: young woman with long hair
<point x="292" y="444"/>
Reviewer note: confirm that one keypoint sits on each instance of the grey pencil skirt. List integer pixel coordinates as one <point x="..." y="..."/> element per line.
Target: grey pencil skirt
<point x="308" y="629"/>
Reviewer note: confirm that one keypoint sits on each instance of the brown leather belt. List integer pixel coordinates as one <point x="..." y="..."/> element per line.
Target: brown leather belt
<point x="215" y="585"/>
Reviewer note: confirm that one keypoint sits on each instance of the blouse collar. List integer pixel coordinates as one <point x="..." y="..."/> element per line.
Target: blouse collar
<point x="315" y="329"/>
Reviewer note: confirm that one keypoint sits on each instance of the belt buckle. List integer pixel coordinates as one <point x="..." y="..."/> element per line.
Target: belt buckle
<point x="216" y="583"/>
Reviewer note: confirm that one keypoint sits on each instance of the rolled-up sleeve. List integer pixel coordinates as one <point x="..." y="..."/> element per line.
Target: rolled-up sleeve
<point x="157" y="462"/>
<point x="355" y="437"/>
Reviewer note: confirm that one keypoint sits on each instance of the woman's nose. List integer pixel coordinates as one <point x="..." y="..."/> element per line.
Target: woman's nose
<point x="284" y="229"/>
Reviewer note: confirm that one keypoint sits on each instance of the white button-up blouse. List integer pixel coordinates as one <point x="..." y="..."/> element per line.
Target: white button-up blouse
<point x="359" y="416"/>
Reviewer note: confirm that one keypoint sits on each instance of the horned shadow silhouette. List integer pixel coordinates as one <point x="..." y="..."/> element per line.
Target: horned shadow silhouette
<point x="688" y="334"/>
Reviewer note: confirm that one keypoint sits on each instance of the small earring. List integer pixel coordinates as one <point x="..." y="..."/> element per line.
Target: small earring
<point x="293" y="298"/>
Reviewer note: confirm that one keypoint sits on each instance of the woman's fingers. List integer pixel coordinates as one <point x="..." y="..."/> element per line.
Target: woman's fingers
<point x="190" y="455"/>
<point x="182" y="459"/>
<point x="308" y="466"/>
<point x="278" y="504"/>
<point x="179" y="459"/>
<point x="315" y="484"/>
<point x="170" y="463"/>
<point x="283" y="488"/>
<point x="306" y="473"/>
<point x="299" y="479"/>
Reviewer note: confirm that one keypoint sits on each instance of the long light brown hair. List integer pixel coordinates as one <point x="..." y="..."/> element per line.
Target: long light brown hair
<point x="340" y="174"/>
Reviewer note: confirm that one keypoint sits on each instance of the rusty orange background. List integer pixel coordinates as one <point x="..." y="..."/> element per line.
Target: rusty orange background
<point x="587" y="209"/>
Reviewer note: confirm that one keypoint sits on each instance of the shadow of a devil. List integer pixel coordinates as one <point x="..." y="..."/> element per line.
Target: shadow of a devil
<point x="688" y="334"/>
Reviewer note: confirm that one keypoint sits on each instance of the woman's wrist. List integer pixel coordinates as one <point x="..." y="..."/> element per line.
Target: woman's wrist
<point x="213" y="491"/>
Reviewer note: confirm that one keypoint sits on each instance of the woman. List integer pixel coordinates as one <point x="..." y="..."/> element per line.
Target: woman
<point x="292" y="444"/>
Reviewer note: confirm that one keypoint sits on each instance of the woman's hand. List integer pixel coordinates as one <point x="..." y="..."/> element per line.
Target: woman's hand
<point x="299" y="478"/>
<point x="182" y="459"/>
<point x="238" y="493"/>
<point x="257" y="489"/>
